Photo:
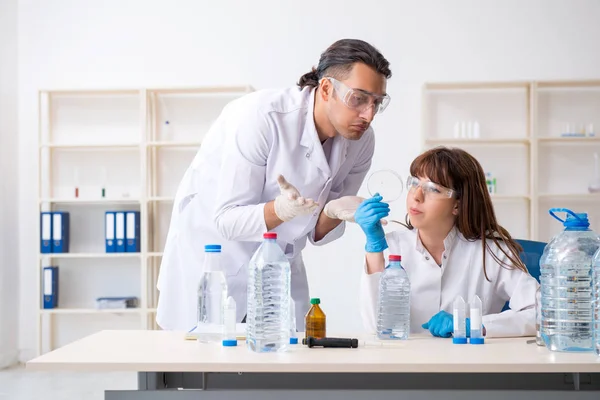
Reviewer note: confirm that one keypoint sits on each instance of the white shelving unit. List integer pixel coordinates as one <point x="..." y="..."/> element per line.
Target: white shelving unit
<point x="520" y="143"/>
<point x="135" y="144"/>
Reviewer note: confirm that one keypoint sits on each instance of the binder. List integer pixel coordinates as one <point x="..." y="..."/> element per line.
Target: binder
<point x="109" y="232"/>
<point x="120" y="231"/>
<point x="60" y="232"/>
<point x="132" y="227"/>
<point x="46" y="232"/>
<point x="50" y="287"/>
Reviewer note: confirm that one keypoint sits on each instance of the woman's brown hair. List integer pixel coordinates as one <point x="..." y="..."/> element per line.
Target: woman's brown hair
<point x="458" y="170"/>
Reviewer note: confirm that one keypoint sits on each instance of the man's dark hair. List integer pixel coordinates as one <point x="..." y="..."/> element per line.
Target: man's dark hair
<point x="338" y="59"/>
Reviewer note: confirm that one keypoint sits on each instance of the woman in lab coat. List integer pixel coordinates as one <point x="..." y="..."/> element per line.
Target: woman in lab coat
<point x="287" y="161"/>
<point x="453" y="246"/>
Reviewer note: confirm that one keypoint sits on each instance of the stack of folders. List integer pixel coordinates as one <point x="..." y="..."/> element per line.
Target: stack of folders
<point x="111" y="303"/>
<point x="54" y="232"/>
<point x="122" y="231"/>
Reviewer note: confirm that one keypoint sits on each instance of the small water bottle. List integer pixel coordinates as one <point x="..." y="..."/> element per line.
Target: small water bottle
<point x="459" y="319"/>
<point x="229" y="323"/>
<point x="393" y="319"/>
<point x="566" y="274"/>
<point x="212" y="293"/>
<point x="269" y="293"/>
<point x="596" y="306"/>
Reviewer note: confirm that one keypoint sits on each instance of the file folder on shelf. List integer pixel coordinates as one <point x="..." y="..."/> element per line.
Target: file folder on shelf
<point x="60" y="232"/>
<point x="109" y="232"/>
<point x="46" y="232"/>
<point x="132" y="227"/>
<point x="50" y="287"/>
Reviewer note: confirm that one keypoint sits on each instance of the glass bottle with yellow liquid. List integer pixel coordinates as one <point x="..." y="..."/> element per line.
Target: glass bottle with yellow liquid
<point x="315" y="320"/>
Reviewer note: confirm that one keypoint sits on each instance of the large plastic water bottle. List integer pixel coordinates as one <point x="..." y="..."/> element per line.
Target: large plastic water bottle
<point x="212" y="294"/>
<point x="566" y="322"/>
<point x="596" y="300"/>
<point x="393" y="318"/>
<point x="269" y="276"/>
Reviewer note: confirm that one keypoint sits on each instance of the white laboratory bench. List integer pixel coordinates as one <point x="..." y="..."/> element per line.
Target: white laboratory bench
<point x="422" y="367"/>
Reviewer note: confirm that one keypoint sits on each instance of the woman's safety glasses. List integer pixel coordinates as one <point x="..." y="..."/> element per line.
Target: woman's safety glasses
<point x="430" y="189"/>
<point x="358" y="99"/>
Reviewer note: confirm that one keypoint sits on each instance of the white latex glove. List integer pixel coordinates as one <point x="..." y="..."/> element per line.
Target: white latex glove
<point x="344" y="208"/>
<point x="290" y="203"/>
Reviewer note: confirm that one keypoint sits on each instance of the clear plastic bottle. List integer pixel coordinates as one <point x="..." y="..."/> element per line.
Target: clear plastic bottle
<point x="596" y="300"/>
<point x="269" y="276"/>
<point x="393" y="318"/>
<point x="212" y="293"/>
<point x="565" y="265"/>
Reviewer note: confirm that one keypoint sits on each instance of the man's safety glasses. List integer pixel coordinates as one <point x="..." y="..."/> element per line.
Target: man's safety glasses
<point x="430" y="189"/>
<point x="358" y="99"/>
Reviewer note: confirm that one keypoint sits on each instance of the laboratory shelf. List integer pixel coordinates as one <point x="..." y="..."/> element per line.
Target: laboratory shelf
<point x="174" y="144"/>
<point x="529" y="113"/>
<point x="477" y="142"/>
<point x="90" y="255"/>
<point x="136" y="143"/>
<point x="96" y="201"/>
<point x="92" y="311"/>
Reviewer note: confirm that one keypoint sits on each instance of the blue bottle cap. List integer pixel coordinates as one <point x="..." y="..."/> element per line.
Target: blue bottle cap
<point x="212" y="248"/>
<point x="477" y="340"/>
<point x="229" y="343"/>
<point x="293" y="340"/>
<point x="459" y="340"/>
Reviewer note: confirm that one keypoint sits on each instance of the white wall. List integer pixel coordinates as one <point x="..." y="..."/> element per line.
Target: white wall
<point x="77" y="44"/>
<point x="9" y="266"/>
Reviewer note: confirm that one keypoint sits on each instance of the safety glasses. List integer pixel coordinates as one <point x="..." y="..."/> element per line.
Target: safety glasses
<point x="430" y="189"/>
<point x="358" y="99"/>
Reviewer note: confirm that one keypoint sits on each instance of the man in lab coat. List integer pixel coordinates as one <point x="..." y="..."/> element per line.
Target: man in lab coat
<point x="289" y="161"/>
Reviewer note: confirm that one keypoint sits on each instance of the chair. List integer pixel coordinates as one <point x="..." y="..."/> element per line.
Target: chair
<point x="532" y="252"/>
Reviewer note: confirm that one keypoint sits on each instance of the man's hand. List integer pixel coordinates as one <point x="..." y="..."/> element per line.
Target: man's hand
<point x="290" y="204"/>
<point x="343" y="208"/>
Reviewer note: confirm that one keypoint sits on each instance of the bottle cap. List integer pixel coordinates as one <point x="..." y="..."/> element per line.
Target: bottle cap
<point x="478" y="340"/>
<point x="315" y="301"/>
<point x="229" y="343"/>
<point x="394" y="257"/>
<point x="270" y="235"/>
<point x="459" y="340"/>
<point x="212" y="248"/>
<point x="293" y="340"/>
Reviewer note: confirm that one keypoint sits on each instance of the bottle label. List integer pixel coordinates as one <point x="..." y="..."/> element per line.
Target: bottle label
<point x="475" y="319"/>
<point x="315" y="328"/>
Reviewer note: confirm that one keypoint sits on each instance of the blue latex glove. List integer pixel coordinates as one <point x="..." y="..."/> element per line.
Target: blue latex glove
<point x="440" y="325"/>
<point x="368" y="216"/>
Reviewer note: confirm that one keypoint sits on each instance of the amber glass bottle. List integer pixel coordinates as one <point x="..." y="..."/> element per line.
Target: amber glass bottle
<point x="315" y="320"/>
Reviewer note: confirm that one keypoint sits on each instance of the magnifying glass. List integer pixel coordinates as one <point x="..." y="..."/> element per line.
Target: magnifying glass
<point x="387" y="183"/>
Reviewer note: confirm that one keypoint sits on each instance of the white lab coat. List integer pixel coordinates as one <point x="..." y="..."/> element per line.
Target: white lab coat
<point x="221" y="197"/>
<point x="434" y="288"/>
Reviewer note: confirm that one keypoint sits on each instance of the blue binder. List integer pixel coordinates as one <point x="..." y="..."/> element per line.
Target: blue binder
<point x="109" y="232"/>
<point x="46" y="232"/>
<point x="50" y="287"/>
<point x="132" y="227"/>
<point x="60" y="232"/>
<point x="120" y="231"/>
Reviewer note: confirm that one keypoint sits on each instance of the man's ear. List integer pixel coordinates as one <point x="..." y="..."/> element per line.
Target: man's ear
<point x="326" y="89"/>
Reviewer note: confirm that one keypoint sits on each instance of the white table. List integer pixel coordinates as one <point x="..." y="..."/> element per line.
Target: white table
<point x="419" y="368"/>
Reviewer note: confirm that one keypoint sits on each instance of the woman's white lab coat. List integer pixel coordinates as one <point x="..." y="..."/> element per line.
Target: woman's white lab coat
<point x="221" y="197"/>
<point x="434" y="288"/>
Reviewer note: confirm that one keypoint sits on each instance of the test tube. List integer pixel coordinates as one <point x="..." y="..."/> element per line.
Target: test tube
<point x="476" y="324"/>
<point x="76" y="181"/>
<point x="460" y="321"/>
<point x="103" y="182"/>
<point x="293" y="336"/>
<point x="229" y="315"/>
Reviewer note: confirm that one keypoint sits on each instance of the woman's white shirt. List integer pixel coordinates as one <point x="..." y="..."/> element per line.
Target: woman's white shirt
<point x="434" y="288"/>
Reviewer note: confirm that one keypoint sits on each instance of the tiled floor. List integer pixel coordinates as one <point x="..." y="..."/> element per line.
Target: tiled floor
<point x="20" y="384"/>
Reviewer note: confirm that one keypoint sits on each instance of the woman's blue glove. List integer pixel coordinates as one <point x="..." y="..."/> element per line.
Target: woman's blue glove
<point x="441" y="325"/>
<point x="368" y="216"/>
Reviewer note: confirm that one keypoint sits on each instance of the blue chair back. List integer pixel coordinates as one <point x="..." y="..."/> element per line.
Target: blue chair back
<point x="531" y="254"/>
